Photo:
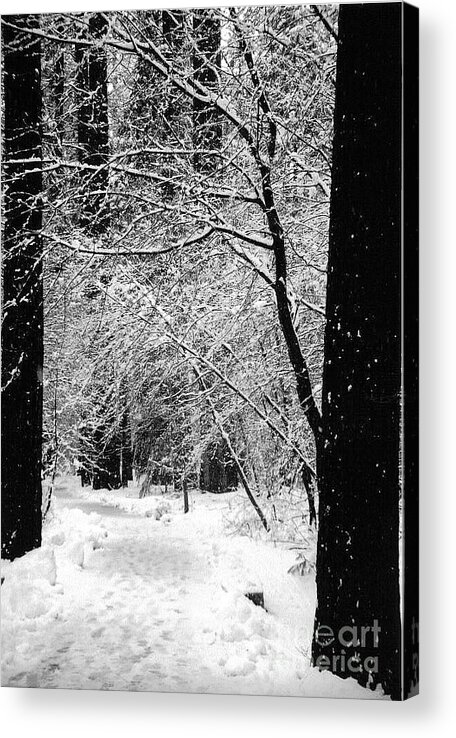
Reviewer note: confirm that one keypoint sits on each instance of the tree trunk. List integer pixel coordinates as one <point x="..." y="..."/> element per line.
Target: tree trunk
<point x="358" y="468"/>
<point x="22" y="335"/>
<point x="126" y="453"/>
<point x="410" y="429"/>
<point x="173" y="37"/>
<point x="207" y="127"/>
<point x="93" y="129"/>
<point x="218" y="473"/>
<point x="185" y="494"/>
<point x="170" y="125"/>
<point x="58" y="93"/>
<point x="94" y="218"/>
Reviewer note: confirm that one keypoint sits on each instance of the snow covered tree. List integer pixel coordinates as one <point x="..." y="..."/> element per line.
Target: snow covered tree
<point x="22" y="333"/>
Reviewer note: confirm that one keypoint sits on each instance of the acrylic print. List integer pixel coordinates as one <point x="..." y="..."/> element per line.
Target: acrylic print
<point x="209" y="377"/>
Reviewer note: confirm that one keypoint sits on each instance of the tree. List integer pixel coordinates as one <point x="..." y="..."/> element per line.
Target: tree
<point x="104" y="454"/>
<point x="93" y="127"/>
<point x="358" y="469"/>
<point x="217" y="472"/>
<point x="22" y="334"/>
<point x="206" y="60"/>
<point x="57" y="88"/>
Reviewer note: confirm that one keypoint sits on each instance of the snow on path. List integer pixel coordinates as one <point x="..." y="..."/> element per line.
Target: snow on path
<point x="130" y="594"/>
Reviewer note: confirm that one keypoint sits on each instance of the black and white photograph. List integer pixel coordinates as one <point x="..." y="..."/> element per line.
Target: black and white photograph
<point x="209" y="472"/>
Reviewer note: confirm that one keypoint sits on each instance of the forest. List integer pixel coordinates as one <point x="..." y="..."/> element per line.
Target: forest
<point x="201" y="308"/>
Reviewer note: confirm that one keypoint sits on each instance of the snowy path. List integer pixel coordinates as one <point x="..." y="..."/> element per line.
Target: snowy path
<point x="139" y="603"/>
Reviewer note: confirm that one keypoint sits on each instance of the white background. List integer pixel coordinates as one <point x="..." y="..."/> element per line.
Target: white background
<point x="53" y="713"/>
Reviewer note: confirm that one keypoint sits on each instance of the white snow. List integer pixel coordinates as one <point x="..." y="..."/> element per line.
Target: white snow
<point x="131" y="594"/>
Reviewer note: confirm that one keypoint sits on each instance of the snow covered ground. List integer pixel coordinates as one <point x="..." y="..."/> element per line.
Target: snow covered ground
<point x="131" y="594"/>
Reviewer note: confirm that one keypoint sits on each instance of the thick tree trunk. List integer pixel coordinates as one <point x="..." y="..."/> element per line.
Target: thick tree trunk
<point x="58" y="98"/>
<point x="22" y="334"/>
<point x="357" y="620"/>
<point x="207" y="127"/>
<point x="170" y="125"/>
<point x="94" y="217"/>
<point x="93" y="129"/>
<point x="410" y="429"/>
<point x="173" y="38"/>
<point x="218" y="472"/>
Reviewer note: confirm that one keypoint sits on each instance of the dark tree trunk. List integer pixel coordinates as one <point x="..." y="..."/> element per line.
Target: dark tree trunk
<point x="57" y="84"/>
<point x="185" y="494"/>
<point x="218" y="472"/>
<point x="94" y="212"/>
<point x="93" y="129"/>
<point x="207" y="127"/>
<point x="54" y="97"/>
<point x="173" y="37"/>
<point x="410" y="533"/>
<point x="358" y="547"/>
<point x="58" y="93"/>
<point x="22" y="335"/>
<point x="139" y="125"/>
<point x="81" y="57"/>
<point x="126" y="452"/>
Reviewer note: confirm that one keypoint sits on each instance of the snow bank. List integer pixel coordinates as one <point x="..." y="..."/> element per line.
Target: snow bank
<point x="75" y="534"/>
<point x="27" y="589"/>
<point x="33" y="593"/>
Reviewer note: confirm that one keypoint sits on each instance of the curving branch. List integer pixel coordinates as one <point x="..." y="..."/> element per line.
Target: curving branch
<point x="325" y="22"/>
